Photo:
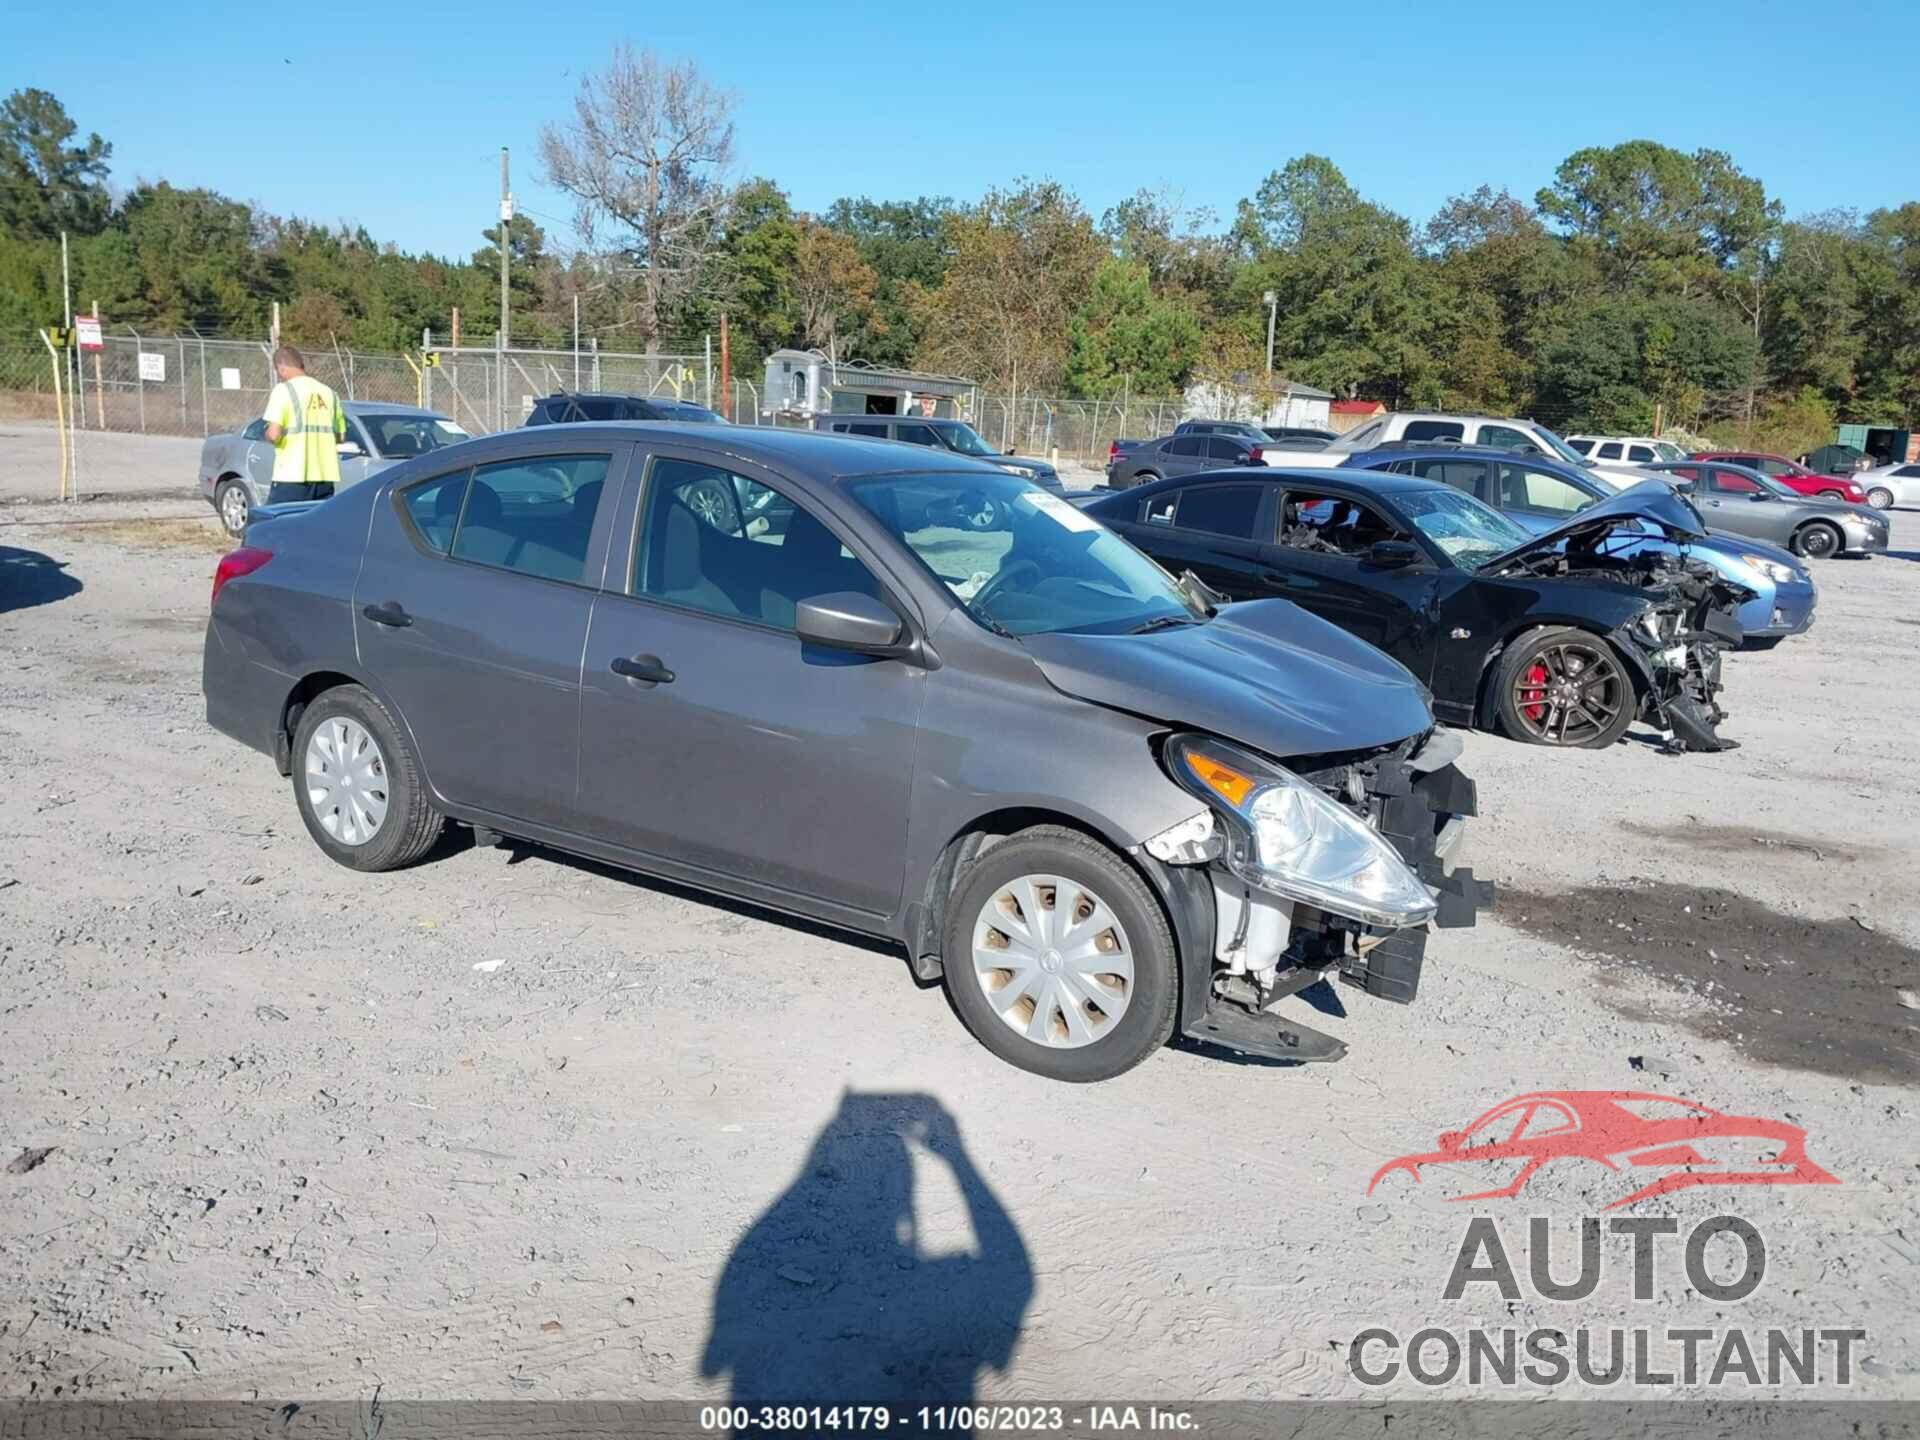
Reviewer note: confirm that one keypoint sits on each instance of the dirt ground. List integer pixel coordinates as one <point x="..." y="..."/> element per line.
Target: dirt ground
<point x="509" y="1125"/>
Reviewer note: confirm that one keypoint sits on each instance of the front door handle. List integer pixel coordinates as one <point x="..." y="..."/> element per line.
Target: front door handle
<point x="389" y="613"/>
<point x="1277" y="577"/>
<point x="646" y="668"/>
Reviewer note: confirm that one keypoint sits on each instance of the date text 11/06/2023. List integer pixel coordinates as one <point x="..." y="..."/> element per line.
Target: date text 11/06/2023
<point x="970" y="1419"/>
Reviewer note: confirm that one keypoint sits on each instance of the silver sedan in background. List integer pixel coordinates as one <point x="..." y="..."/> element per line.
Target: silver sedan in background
<point x="236" y="470"/>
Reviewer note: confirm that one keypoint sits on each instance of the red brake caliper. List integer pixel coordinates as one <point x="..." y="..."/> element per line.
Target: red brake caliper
<point x="1533" y="692"/>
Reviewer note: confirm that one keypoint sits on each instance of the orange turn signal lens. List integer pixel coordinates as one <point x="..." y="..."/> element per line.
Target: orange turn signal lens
<point x="1229" y="784"/>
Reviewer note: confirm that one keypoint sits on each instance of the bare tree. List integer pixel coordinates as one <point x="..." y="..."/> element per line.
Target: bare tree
<point x="647" y="150"/>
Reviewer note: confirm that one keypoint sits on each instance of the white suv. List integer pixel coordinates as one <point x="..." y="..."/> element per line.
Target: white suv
<point x="1416" y="427"/>
<point x="1627" y="449"/>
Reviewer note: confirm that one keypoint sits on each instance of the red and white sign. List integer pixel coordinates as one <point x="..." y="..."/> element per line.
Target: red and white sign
<point x="87" y="327"/>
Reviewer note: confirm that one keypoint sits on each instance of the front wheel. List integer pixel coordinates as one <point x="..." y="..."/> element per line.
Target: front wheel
<point x="1565" y="688"/>
<point x="1816" y="541"/>
<point x="1058" y="957"/>
<point x="1880" y="498"/>
<point x="234" y="502"/>
<point x="358" y="784"/>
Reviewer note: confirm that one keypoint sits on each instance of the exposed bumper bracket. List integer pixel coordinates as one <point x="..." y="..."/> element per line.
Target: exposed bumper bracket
<point x="1268" y="1036"/>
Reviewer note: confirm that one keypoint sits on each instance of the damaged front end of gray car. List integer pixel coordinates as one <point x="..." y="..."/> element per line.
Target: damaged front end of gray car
<point x="1332" y="866"/>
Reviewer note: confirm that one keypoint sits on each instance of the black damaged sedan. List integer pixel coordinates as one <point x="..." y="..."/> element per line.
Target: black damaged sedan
<point x="1563" y="638"/>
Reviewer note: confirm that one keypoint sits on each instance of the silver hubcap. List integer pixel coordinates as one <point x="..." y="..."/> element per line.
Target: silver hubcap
<point x="233" y="507"/>
<point x="1880" y="499"/>
<point x="1053" y="961"/>
<point x="346" y="781"/>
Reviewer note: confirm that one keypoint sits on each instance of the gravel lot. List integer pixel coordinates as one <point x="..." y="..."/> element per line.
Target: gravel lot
<point x="513" y="1125"/>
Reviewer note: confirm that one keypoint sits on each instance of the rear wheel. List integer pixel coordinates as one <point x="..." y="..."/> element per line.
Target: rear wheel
<point x="1143" y="477"/>
<point x="235" y="504"/>
<point x="1880" y="498"/>
<point x="1816" y="540"/>
<point x="1565" y="688"/>
<point x="1058" y="957"/>
<point x="358" y="784"/>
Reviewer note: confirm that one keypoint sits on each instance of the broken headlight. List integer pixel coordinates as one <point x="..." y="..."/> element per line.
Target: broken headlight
<point x="1772" y="569"/>
<point x="1286" y="836"/>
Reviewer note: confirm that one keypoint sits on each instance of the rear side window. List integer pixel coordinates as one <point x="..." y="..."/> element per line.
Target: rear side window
<point x="1583" y="447"/>
<point x="532" y="516"/>
<point x="1190" y="444"/>
<point x="1433" y="430"/>
<point x="1609" y="451"/>
<point x="1907" y="472"/>
<point x="433" y="507"/>
<point x="874" y="431"/>
<point x="1229" y="510"/>
<point x="1466" y="475"/>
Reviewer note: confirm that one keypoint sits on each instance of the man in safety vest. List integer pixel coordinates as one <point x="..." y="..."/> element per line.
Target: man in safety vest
<point x="305" y="425"/>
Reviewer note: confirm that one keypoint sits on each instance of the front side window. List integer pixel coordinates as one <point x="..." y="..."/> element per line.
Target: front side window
<point x="1189" y="444"/>
<point x="1333" y="523"/>
<point x="1732" y="482"/>
<point x="1539" y="492"/>
<point x="399" y="436"/>
<point x="964" y="439"/>
<point x="1418" y="430"/>
<point x="720" y="543"/>
<point x="1019" y="560"/>
<point x="532" y="516"/>
<point x="918" y="435"/>
<point x="1775" y="468"/>
<point x="1641" y="454"/>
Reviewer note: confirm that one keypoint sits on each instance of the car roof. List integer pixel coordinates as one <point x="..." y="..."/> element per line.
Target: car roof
<point x="372" y="407"/>
<point x="808" y="454"/>
<point x="1378" y="482"/>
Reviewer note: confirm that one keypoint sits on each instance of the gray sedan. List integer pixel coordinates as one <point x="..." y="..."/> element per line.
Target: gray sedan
<point x="1737" y="500"/>
<point x="902" y="693"/>
<point x="236" y="470"/>
<point x="1187" y="453"/>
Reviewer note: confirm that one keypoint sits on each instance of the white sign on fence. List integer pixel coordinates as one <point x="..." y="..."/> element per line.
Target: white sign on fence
<point x="152" y="366"/>
<point x="87" y="327"/>
<point x="229" y="378"/>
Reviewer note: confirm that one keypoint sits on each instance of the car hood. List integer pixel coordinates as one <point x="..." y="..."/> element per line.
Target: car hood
<point x="1264" y="672"/>
<point x="1652" y="500"/>
<point x="1042" y="466"/>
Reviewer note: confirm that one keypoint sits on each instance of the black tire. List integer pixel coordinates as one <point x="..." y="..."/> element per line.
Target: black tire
<point x="1817" y="540"/>
<point x="1610" y="712"/>
<point x="1141" y="477"/>
<point x="231" y="497"/>
<point x="1880" y="498"/>
<point x="410" y="826"/>
<point x="1146" y="1022"/>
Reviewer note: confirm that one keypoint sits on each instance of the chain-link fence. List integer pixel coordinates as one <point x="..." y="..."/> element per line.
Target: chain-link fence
<point x="187" y="385"/>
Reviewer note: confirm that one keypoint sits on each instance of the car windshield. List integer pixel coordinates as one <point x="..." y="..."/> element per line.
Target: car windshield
<point x="398" y="436"/>
<point x="963" y="438"/>
<point x="1466" y="531"/>
<point x="1022" y="561"/>
<point x="1560" y="447"/>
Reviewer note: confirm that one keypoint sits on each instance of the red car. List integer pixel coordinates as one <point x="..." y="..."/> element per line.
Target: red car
<point x="1790" y="473"/>
<point x="1624" y="1131"/>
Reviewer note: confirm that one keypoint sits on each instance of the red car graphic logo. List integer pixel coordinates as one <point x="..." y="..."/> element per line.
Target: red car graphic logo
<point x="1626" y="1131"/>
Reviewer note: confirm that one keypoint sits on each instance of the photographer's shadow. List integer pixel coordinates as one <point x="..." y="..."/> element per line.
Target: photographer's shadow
<point x="832" y="1296"/>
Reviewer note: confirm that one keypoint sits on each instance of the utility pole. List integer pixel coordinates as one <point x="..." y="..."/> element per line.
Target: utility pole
<point x="1273" y="306"/>
<point x="506" y="214"/>
<point x="726" y="372"/>
<point x="72" y="357"/>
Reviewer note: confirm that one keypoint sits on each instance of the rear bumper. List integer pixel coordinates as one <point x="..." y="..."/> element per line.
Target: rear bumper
<point x="245" y="699"/>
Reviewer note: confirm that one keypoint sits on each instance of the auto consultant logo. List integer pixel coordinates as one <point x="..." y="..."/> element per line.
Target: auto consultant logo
<point x="1651" y="1145"/>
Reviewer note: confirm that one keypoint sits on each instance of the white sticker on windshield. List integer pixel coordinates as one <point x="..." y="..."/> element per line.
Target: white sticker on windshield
<point x="1067" y="515"/>
<point x="456" y="429"/>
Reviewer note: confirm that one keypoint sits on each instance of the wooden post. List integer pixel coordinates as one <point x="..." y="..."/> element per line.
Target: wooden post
<point x="1659" y="414"/>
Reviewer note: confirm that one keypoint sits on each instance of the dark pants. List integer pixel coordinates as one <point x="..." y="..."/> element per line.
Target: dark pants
<point x="284" y="493"/>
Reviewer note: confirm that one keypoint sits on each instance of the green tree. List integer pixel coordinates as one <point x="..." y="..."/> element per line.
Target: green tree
<point x="46" y="184"/>
<point x="1126" y="338"/>
<point x="905" y="243"/>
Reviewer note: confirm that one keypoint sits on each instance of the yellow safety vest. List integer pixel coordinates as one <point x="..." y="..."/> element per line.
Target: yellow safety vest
<point x="309" y="415"/>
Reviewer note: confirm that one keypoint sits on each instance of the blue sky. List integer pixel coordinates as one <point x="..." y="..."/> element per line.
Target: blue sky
<point x="396" y="119"/>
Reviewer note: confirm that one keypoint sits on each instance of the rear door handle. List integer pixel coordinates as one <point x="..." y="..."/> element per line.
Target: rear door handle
<point x="388" y="613"/>
<point x="647" y="668"/>
<point x="1277" y="577"/>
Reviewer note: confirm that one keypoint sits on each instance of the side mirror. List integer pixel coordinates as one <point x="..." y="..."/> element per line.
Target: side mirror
<point x="847" y="620"/>
<point x="1393" y="552"/>
<point x="1007" y="451"/>
<point x="350" y="449"/>
<point x="1761" y="495"/>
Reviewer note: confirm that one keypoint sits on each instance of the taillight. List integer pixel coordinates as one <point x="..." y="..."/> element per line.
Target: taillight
<point x="1254" y="454"/>
<point x="242" y="561"/>
<point x="1113" y="450"/>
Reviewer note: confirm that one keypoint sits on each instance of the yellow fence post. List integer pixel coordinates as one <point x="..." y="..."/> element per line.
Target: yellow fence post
<point x="419" y="380"/>
<point x="59" y="412"/>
